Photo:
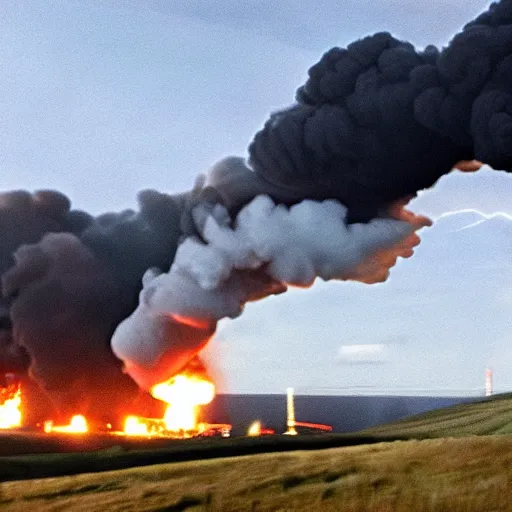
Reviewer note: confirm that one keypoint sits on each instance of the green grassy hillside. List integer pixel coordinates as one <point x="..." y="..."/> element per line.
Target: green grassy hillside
<point x="488" y="416"/>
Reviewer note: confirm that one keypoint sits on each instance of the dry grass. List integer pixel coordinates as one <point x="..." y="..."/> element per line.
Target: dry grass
<point x="463" y="474"/>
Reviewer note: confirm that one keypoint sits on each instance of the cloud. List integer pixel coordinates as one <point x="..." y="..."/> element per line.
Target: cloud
<point x="363" y="354"/>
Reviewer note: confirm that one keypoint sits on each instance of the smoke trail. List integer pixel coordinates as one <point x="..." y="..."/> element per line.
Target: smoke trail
<point x="62" y="315"/>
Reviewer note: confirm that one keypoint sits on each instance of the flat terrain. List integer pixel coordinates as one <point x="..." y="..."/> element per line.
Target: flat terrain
<point x="462" y="474"/>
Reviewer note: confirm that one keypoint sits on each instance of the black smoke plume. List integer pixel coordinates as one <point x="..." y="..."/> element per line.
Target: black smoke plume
<point x="380" y="120"/>
<point x="374" y="122"/>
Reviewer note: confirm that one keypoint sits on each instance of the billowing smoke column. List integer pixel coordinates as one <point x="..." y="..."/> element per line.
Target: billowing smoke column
<point x="374" y="123"/>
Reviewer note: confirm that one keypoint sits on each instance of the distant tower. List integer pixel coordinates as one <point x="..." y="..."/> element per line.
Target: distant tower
<point x="488" y="382"/>
<point x="290" y="413"/>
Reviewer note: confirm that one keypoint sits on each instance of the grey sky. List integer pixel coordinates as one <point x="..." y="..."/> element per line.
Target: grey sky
<point x="101" y="99"/>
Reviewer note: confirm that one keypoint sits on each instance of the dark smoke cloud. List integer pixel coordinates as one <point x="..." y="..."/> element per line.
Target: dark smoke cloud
<point x="375" y="122"/>
<point x="68" y="280"/>
<point x="24" y="219"/>
<point x="380" y="120"/>
<point x="65" y="308"/>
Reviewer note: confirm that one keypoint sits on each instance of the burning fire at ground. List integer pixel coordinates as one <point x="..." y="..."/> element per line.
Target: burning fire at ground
<point x="184" y="393"/>
<point x="77" y="425"/>
<point x="256" y="429"/>
<point x="10" y="407"/>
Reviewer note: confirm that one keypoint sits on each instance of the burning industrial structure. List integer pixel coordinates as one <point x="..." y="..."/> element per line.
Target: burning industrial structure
<point x="106" y="313"/>
<point x="184" y="393"/>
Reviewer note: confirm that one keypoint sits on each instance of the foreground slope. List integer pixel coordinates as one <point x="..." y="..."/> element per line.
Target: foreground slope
<point x="470" y="474"/>
<point x="489" y="416"/>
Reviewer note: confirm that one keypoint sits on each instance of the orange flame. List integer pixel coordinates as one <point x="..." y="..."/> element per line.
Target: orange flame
<point x="77" y="425"/>
<point x="184" y="393"/>
<point x="254" y="429"/>
<point x="135" y="426"/>
<point x="10" y="413"/>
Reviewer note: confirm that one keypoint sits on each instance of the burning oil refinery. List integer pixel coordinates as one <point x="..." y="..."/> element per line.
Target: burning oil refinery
<point x="184" y="394"/>
<point x="107" y="315"/>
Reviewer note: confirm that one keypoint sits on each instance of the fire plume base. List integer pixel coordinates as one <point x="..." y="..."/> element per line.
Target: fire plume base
<point x="136" y="426"/>
<point x="154" y="427"/>
<point x="20" y="441"/>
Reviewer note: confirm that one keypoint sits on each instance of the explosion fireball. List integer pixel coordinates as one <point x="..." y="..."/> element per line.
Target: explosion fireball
<point x="184" y="393"/>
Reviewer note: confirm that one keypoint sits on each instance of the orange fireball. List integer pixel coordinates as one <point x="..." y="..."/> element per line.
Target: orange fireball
<point x="184" y="394"/>
<point x="10" y="413"/>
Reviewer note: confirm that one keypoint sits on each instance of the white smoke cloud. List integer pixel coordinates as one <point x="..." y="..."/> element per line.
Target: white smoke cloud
<point x="268" y="248"/>
<point x="375" y="353"/>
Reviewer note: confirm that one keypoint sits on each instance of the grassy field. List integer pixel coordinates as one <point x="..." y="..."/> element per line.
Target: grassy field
<point x="490" y="416"/>
<point x="458" y="474"/>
